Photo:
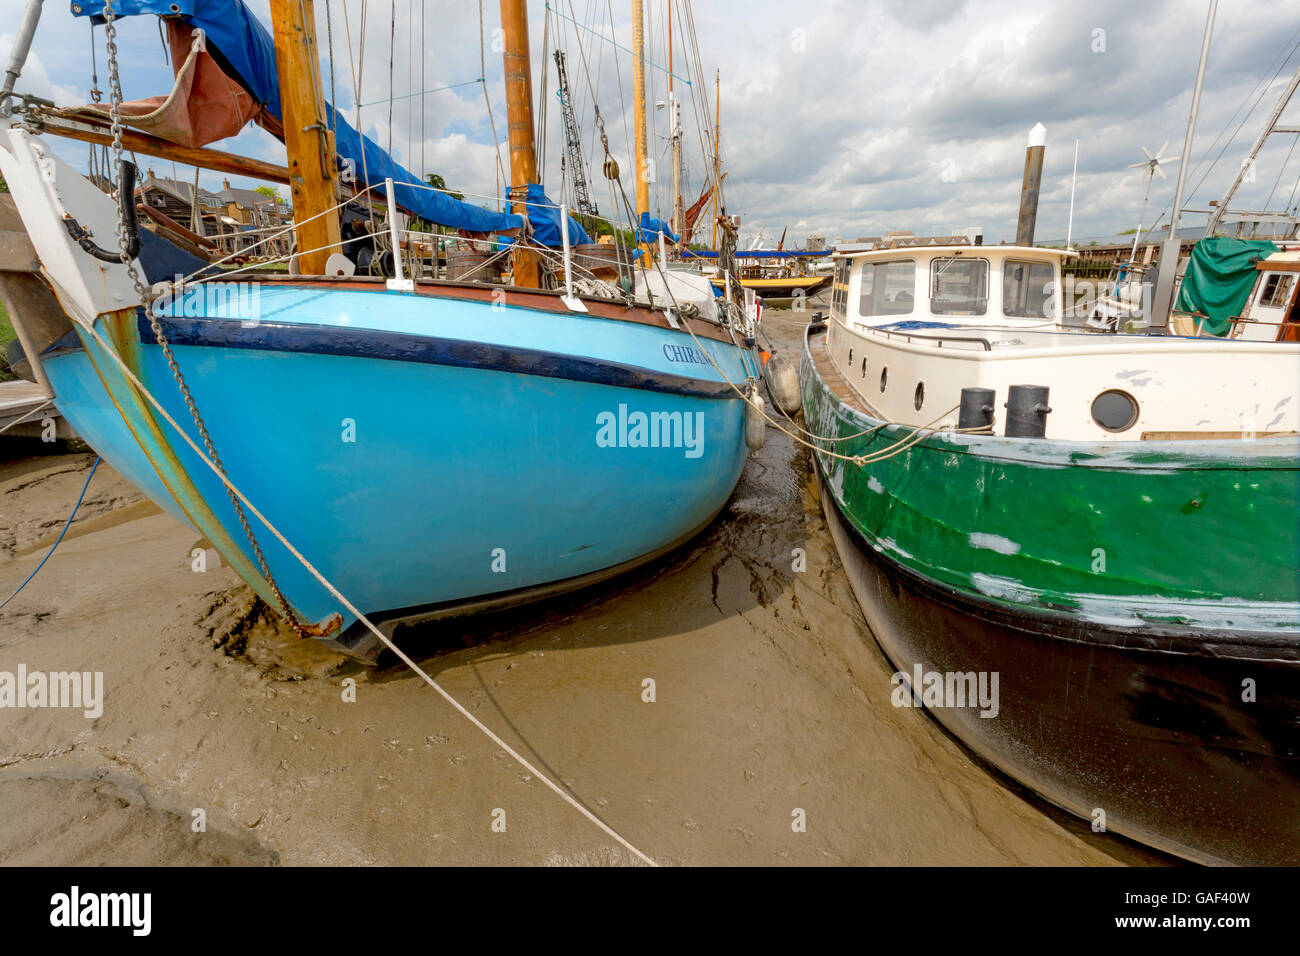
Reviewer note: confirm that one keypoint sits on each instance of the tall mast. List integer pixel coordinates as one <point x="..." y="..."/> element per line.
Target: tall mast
<point x="638" y="89"/>
<point x="717" y="161"/>
<point x="519" y="109"/>
<point x="675" y="119"/>
<point x="1167" y="275"/>
<point x="1176" y="212"/>
<point x="313" y="179"/>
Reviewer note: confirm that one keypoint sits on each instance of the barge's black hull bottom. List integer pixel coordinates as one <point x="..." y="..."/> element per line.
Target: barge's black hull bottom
<point x="1162" y="743"/>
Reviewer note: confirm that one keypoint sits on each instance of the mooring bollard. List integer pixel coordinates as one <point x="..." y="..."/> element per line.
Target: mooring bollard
<point x="1027" y="411"/>
<point x="976" y="408"/>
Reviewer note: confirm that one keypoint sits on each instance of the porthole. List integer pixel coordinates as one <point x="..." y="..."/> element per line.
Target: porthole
<point x="850" y="356"/>
<point x="919" y="398"/>
<point x="884" y="377"/>
<point x="1114" y="410"/>
<point x="864" y="367"/>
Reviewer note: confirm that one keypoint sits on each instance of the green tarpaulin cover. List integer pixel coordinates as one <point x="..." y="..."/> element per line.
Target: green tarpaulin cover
<point x="1219" y="278"/>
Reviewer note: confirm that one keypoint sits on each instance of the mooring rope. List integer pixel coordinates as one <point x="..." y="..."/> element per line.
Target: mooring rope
<point x="859" y="460"/>
<point x="487" y="731"/>
<point x="66" y="525"/>
<point x="27" y="415"/>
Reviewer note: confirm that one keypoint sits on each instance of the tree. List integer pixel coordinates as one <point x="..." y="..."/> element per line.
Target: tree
<point x="4" y="186"/>
<point x="270" y="191"/>
<point x="437" y="182"/>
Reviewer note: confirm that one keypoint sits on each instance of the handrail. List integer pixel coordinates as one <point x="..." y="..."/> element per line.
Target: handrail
<point x="988" y="346"/>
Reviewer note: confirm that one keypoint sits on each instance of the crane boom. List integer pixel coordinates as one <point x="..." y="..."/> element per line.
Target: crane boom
<point x="572" y="146"/>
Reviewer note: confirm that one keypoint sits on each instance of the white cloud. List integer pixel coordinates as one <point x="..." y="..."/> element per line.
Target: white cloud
<point x="36" y="80"/>
<point x="849" y="117"/>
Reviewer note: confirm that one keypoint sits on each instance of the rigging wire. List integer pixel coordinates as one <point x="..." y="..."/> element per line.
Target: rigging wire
<point x="1263" y="90"/>
<point x="539" y="133"/>
<point x="392" y="42"/>
<point x="424" y="37"/>
<point x="482" y="65"/>
<point x="410" y="80"/>
<point x="1280" y="173"/>
<point x="357" y="66"/>
<point x="329" y="39"/>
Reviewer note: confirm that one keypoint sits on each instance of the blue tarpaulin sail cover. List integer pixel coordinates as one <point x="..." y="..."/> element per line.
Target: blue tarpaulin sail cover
<point x="651" y="228"/>
<point x="247" y="48"/>
<point x="544" y="217"/>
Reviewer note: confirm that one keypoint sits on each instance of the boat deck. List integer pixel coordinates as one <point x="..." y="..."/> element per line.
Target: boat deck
<point x="1000" y="338"/>
<point x="837" y="383"/>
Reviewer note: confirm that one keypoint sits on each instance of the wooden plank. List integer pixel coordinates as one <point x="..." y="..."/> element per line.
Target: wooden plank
<point x="171" y="225"/>
<point x="137" y="142"/>
<point x="1206" y="435"/>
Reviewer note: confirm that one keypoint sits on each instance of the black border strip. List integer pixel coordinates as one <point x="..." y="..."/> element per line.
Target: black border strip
<point x="424" y="349"/>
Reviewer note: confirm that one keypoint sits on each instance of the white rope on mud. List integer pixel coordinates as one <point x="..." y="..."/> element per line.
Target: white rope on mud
<point x="487" y="731"/>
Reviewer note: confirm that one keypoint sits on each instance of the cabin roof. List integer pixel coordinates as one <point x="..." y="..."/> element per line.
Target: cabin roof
<point x="983" y="252"/>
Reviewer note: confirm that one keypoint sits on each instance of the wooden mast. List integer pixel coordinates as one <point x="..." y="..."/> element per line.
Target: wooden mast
<point x="717" y="162"/>
<point x="519" y="109"/>
<point x="307" y="137"/>
<point x="638" y="98"/>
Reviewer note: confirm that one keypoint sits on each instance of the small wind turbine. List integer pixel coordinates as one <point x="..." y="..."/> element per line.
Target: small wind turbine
<point x="1151" y="165"/>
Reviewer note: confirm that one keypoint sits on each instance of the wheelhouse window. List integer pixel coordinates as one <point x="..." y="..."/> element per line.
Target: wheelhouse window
<point x="1027" y="289"/>
<point x="887" y="288"/>
<point x="840" y="288"/>
<point x="959" y="286"/>
<point x="1277" y="291"/>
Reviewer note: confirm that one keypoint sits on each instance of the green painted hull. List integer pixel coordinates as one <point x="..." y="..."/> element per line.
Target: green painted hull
<point x="1139" y="605"/>
<point x="1192" y="533"/>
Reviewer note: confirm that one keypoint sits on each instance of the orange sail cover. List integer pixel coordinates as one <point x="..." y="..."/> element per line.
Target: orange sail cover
<point x="205" y="105"/>
<point x="693" y="213"/>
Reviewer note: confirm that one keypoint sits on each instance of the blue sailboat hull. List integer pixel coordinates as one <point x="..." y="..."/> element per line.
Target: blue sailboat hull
<point x="424" y="452"/>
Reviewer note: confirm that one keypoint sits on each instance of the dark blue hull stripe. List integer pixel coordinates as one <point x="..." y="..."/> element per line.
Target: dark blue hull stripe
<point x="401" y="347"/>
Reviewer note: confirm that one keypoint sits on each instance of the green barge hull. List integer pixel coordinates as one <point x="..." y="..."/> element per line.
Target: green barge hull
<point x="1139" y="602"/>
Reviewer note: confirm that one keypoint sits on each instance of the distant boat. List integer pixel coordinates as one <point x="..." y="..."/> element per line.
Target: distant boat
<point x="1241" y="289"/>
<point x="784" y="287"/>
<point x="771" y="273"/>
<point x="431" y="447"/>
<point x="1108" y="526"/>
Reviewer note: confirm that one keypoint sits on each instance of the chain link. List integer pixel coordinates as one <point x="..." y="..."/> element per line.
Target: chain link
<point x="155" y="323"/>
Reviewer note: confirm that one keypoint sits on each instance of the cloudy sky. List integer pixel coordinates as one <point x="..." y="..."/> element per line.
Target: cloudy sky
<point x="846" y="117"/>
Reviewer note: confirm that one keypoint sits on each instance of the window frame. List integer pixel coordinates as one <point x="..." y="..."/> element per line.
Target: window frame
<point x="1051" y="267"/>
<point x="1280" y="280"/>
<point x="908" y="260"/>
<point x="988" y="269"/>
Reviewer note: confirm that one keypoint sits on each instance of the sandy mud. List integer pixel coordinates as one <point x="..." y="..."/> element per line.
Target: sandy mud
<point x="771" y="701"/>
